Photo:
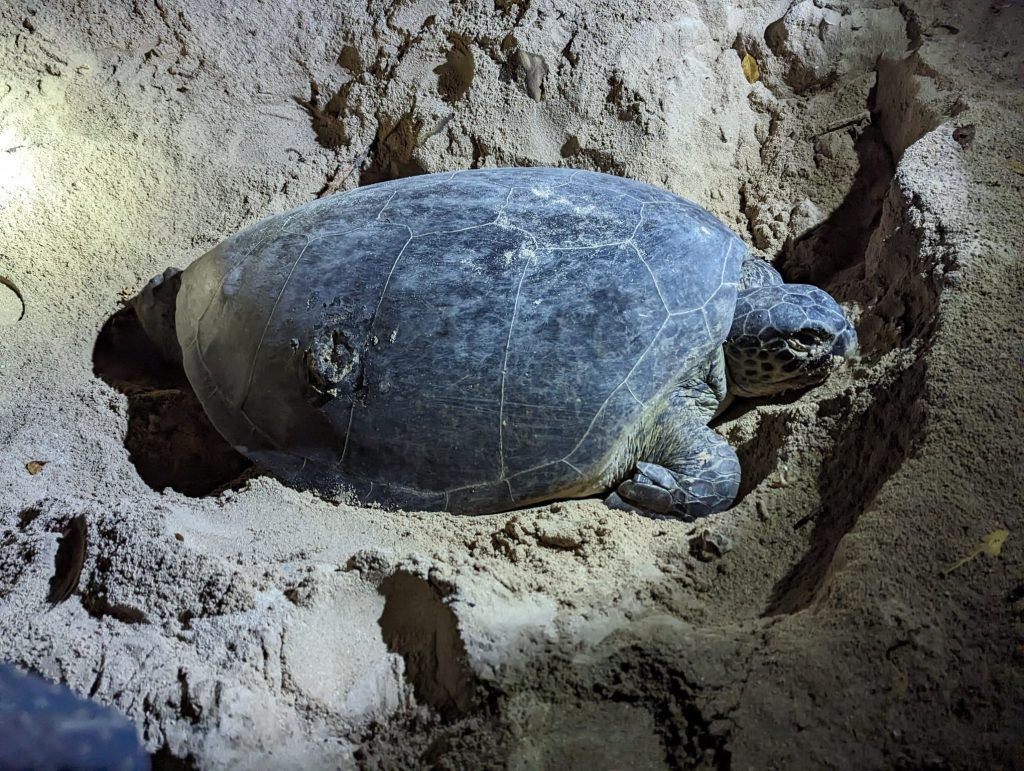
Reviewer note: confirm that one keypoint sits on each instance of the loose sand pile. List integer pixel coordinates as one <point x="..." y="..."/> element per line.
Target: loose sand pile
<point x="878" y="153"/>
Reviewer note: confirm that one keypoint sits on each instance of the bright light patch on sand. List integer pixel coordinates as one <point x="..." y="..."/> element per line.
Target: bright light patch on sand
<point x="15" y="165"/>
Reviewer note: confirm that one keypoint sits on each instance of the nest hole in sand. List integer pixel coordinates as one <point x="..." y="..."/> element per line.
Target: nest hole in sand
<point x="421" y="627"/>
<point x="171" y="441"/>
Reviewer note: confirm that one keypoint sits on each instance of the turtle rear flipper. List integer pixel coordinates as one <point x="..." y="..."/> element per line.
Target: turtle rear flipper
<point x="155" y="307"/>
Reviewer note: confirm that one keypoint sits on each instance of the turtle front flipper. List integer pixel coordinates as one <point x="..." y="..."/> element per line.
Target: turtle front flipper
<point x="683" y="468"/>
<point x="702" y="482"/>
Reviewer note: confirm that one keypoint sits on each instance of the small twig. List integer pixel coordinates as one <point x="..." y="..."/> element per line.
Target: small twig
<point x="441" y="125"/>
<point x="334" y="183"/>
<point x="864" y="117"/>
<point x="810" y="516"/>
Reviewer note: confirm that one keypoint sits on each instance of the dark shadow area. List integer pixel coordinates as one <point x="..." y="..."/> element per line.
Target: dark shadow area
<point x="390" y="155"/>
<point x="420" y="627"/>
<point x="837" y="246"/>
<point x="869" y="450"/>
<point x="759" y="456"/>
<point x="72" y="547"/>
<point x="455" y="76"/>
<point x="327" y="117"/>
<point x="165" y="760"/>
<point x="170" y="440"/>
<point x="657" y="679"/>
<point x="741" y="405"/>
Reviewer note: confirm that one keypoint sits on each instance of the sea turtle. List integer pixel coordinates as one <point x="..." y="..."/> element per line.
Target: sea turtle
<point x="483" y="340"/>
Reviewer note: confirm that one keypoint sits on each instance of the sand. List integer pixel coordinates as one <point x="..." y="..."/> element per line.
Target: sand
<point x="878" y="154"/>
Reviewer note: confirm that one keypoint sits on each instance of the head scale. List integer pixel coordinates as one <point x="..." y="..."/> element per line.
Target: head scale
<point x="783" y="337"/>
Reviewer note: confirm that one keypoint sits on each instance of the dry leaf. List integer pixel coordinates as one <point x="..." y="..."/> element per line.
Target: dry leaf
<point x="750" y="68"/>
<point x="991" y="544"/>
<point x="33" y="467"/>
<point x="1017" y="166"/>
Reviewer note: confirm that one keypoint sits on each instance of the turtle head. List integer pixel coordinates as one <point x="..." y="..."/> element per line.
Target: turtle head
<point x="783" y="337"/>
<point x="155" y="307"/>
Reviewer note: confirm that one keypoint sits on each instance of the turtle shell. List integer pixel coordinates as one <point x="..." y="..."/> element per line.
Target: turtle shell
<point x="470" y="341"/>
